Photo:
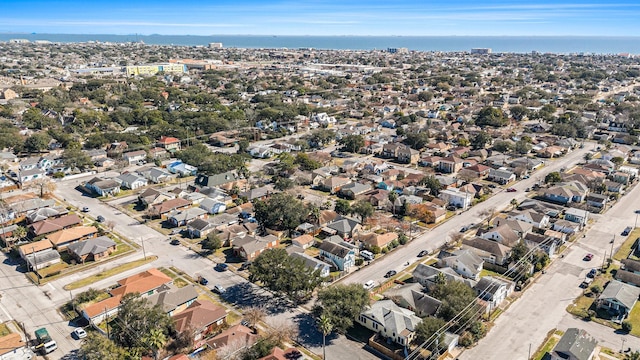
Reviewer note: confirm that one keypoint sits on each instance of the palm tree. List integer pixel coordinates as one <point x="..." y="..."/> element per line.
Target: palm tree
<point x="514" y="202"/>
<point x="20" y="232"/>
<point x="393" y="196"/>
<point x="633" y="356"/>
<point x="156" y="340"/>
<point x="325" y="326"/>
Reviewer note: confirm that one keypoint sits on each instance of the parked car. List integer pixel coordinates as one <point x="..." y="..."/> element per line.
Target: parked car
<point x="511" y="190"/>
<point x="219" y="289"/>
<point x="592" y="273"/>
<point x="79" y="333"/>
<point x="85" y="209"/>
<point x="588" y="257"/>
<point x="390" y="273"/>
<point x="174" y="242"/>
<point x="100" y="218"/>
<point x="423" y="253"/>
<point x="202" y="281"/>
<point x="467" y="227"/>
<point x="626" y="231"/>
<point x="222" y="267"/>
<point x="586" y="282"/>
<point x="244" y="322"/>
<point x="244" y="266"/>
<point x="369" y="285"/>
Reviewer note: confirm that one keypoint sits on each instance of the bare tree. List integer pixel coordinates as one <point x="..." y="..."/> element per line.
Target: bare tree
<point x="232" y="351"/>
<point x="110" y="225"/>
<point x="254" y="315"/>
<point x="456" y="238"/>
<point x="282" y="331"/>
<point x="489" y="213"/>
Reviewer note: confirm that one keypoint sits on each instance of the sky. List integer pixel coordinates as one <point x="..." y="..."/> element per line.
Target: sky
<point x="324" y="17"/>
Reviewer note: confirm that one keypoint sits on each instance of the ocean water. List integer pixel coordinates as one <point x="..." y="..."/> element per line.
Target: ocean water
<point x="510" y="44"/>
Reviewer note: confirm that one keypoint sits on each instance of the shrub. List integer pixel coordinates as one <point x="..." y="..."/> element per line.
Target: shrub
<point x="359" y="261"/>
<point x="627" y="326"/>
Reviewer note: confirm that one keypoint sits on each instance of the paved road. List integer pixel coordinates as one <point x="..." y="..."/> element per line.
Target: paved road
<point x="432" y="240"/>
<point x="542" y="307"/>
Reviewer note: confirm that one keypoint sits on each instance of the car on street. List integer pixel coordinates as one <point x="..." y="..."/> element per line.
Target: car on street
<point x="588" y="257"/>
<point x="511" y="190"/>
<point x="174" y="242"/>
<point x="527" y="189"/>
<point x="626" y="231"/>
<point x="219" y="289"/>
<point x="79" y="333"/>
<point x="244" y="266"/>
<point x="592" y="273"/>
<point x="100" y="218"/>
<point x="467" y="227"/>
<point x="222" y="267"/>
<point x="368" y="285"/>
<point x="390" y="273"/>
<point x="423" y="253"/>
<point x="585" y="283"/>
<point x="202" y="280"/>
<point x="85" y="209"/>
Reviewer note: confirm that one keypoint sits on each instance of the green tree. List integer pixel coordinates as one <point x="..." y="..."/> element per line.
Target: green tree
<point x="322" y="137"/>
<point x="432" y="183"/>
<point x="136" y="319"/>
<point x="341" y="304"/>
<point x="342" y="207"/>
<point x="393" y="196"/>
<point x="282" y="211"/>
<point x="212" y="242"/>
<point x="283" y="183"/>
<point x="522" y="147"/>
<point x="75" y="158"/>
<point x="455" y="297"/>
<point x="37" y="142"/>
<point x="502" y="146"/>
<point x="417" y="140"/>
<point x="519" y="112"/>
<point x="155" y="340"/>
<point x="481" y="140"/>
<point x="283" y="274"/>
<point x="618" y="160"/>
<point x="98" y="347"/>
<point x="430" y="329"/>
<point x="362" y="208"/>
<point x="325" y="326"/>
<point x="306" y="163"/>
<point x="352" y="143"/>
<point x="490" y="116"/>
<point x="518" y="251"/>
<point x="285" y="161"/>
<point x="627" y="326"/>
<point x="552" y="178"/>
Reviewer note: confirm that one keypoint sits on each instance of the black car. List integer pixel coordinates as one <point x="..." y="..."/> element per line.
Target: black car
<point x="244" y="266"/>
<point x="174" y="242"/>
<point x="423" y="253"/>
<point x="390" y="273"/>
<point x="592" y="273"/>
<point x="222" y="267"/>
<point x="626" y="231"/>
<point x="203" y="281"/>
<point x="100" y="218"/>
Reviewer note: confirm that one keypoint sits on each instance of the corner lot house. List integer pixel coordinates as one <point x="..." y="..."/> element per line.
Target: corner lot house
<point x="94" y="249"/>
<point x="201" y="318"/>
<point x="391" y="321"/>
<point x="575" y="344"/>
<point x="340" y="256"/>
<point x="618" y="298"/>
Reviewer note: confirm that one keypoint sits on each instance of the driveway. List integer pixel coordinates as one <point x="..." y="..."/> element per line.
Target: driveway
<point x="543" y="306"/>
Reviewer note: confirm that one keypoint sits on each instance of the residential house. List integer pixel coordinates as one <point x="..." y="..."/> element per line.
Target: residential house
<point x="182" y="169"/>
<point x="26" y="176"/>
<point x="333" y="184"/>
<point x="519" y="227"/>
<point x="153" y="196"/>
<point x="408" y="155"/>
<point x="155" y="174"/>
<point x="135" y="156"/>
<point x="50" y="225"/>
<point x="450" y="164"/>
<point x="344" y="227"/>
<point x="314" y="264"/>
<point x="390" y="321"/>
<point x="541" y="242"/>
<point x="566" y="193"/>
<point x="279" y="354"/>
<point x="375" y="240"/>
<point x="249" y="247"/>
<point x="503" y="234"/>
<point x="45" y="213"/>
<point x="169" y="143"/>
<point x="342" y="257"/>
<point x="304" y="241"/>
<point x="411" y="296"/>
<point x="618" y="298"/>
<point x="182" y="217"/>
<point x="575" y="344"/>
<point x="167" y="206"/>
<point x="201" y="318"/>
<point x="576" y="215"/>
<point x="225" y="180"/>
<point x="477" y="171"/>
<point x="93" y="249"/>
<point x="530" y="216"/>
<point x="464" y="262"/>
<point x="501" y="176"/>
<point x="614" y="186"/>
<point x="158" y="153"/>
<point x="598" y="201"/>
<point x="490" y="251"/>
<point x="63" y="238"/>
<point x="354" y="189"/>
<point x="529" y="164"/>
<point x="173" y="300"/>
<point x="131" y="181"/>
<point x="213" y="206"/>
<point x="103" y="187"/>
<point x="34" y="248"/>
<point x="493" y="290"/>
<point x="566" y="227"/>
<point x="145" y="283"/>
<point x="428" y="276"/>
<point x="456" y="198"/>
<point x="115" y="149"/>
<point x="198" y="228"/>
<point x="233" y="337"/>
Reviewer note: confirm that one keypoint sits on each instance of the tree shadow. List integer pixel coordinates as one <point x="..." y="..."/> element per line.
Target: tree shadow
<point x="73" y="355"/>
<point x="246" y="295"/>
<point x="311" y="336"/>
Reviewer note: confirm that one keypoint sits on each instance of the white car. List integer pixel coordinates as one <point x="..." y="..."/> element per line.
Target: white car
<point x="79" y="333"/>
<point x="219" y="289"/>
<point x="369" y="285"/>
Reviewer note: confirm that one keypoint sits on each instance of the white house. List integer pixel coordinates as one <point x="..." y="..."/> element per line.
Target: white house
<point x="134" y="156"/>
<point x="131" y="181"/>
<point x="456" y="198"/>
<point x="313" y="263"/>
<point x="391" y="321"/>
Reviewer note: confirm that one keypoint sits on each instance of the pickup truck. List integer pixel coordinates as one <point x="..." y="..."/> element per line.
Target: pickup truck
<point x="45" y="343"/>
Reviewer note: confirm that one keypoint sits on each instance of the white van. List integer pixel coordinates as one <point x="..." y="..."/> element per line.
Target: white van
<point x="50" y="346"/>
<point x="366" y="254"/>
<point x="369" y="285"/>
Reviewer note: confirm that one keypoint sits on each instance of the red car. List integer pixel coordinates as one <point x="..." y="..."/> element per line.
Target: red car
<point x="588" y="257"/>
<point x="511" y="190"/>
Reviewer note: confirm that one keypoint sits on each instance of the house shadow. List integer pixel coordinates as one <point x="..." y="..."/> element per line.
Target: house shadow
<point x="311" y="337"/>
<point x="245" y="295"/>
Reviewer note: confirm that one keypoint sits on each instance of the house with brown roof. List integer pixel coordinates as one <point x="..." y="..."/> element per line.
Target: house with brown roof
<point x="237" y="335"/>
<point x="201" y="318"/>
<point x="164" y="208"/>
<point x="279" y="354"/>
<point x="249" y="247"/>
<point x="450" y="164"/>
<point x="169" y="143"/>
<point x="334" y="183"/>
<point x="304" y="241"/>
<point x="145" y="283"/>
<point x="54" y="224"/>
<point x="380" y="240"/>
<point x="63" y="238"/>
<point x="34" y="247"/>
<point x="488" y="250"/>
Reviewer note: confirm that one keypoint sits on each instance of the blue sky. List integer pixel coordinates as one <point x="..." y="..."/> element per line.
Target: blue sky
<point x="324" y="17"/>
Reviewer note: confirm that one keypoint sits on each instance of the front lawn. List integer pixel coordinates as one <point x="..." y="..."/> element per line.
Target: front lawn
<point x="625" y="250"/>
<point x="634" y="319"/>
<point x="108" y="273"/>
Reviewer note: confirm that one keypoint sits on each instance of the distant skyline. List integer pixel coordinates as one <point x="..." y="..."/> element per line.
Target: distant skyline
<point x="324" y="17"/>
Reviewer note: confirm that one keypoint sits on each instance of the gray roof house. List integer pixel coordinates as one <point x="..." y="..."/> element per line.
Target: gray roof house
<point x="464" y="262"/>
<point x="489" y="250"/>
<point x="131" y="181"/>
<point x="618" y="298"/>
<point x="173" y="299"/>
<point x="391" y="321"/>
<point x="354" y="189"/>
<point x="92" y="249"/>
<point x="411" y="296"/>
<point x="575" y="344"/>
<point x="345" y="227"/>
<point x="428" y="276"/>
<point x="313" y="263"/>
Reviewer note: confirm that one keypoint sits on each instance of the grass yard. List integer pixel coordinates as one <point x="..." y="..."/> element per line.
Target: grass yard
<point x="625" y="250"/>
<point x="53" y="269"/>
<point x="553" y="337"/>
<point x="4" y="330"/>
<point x="108" y="273"/>
<point x="634" y="318"/>
<point x="486" y="272"/>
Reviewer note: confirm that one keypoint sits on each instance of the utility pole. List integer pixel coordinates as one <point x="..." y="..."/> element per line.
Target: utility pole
<point x="622" y="348"/>
<point x="106" y="321"/>
<point x="142" y="243"/>
<point x="612" y="241"/>
<point x="35" y="262"/>
<point x="529" y="357"/>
